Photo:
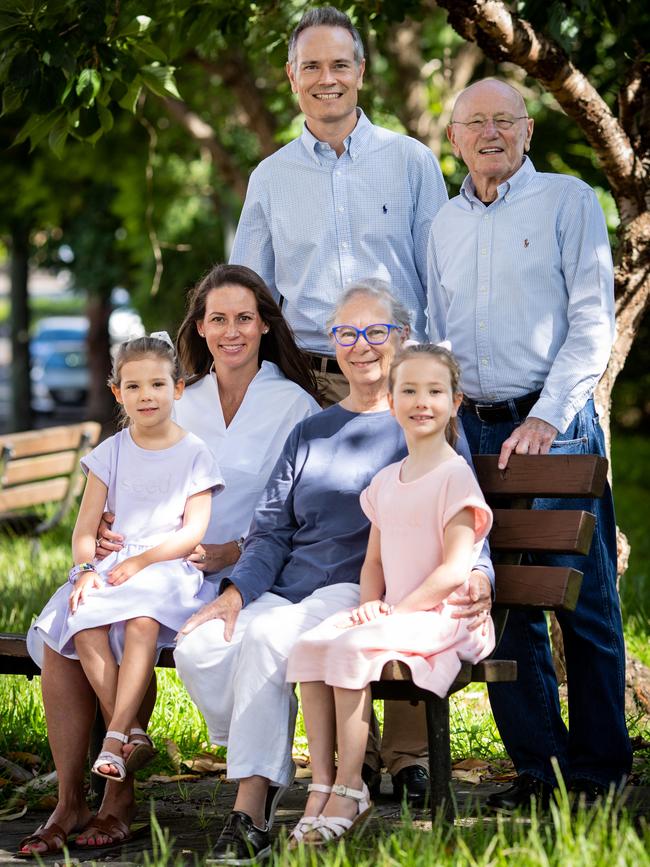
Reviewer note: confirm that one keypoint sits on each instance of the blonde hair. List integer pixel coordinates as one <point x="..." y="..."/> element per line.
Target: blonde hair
<point x="437" y="353"/>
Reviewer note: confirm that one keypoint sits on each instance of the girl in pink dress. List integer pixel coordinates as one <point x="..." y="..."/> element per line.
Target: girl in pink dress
<point x="428" y="519"/>
<point x="114" y="615"/>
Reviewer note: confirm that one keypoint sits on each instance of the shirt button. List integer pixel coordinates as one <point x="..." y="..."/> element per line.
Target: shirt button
<point x="481" y="324"/>
<point x="341" y="209"/>
<point x="344" y="244"/>
<point x="483" y="290"/>
<point x="484" y="362"/>
<point x="484" y="251"/>
<point x="338" y="173"/>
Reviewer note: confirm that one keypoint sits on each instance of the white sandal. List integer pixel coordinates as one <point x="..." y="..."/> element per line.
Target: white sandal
<point x="106" y="757"/>
<point x="143" y="750"/>
<point x="306" y="823"/>
<point x="328" y="828"/>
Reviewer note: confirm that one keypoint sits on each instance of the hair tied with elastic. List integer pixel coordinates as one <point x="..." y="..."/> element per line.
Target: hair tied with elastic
<point x="164" y="336"/>
<point x="443" y="344"/>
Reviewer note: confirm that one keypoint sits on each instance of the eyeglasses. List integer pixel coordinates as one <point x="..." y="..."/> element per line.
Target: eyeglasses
<point x="375" y="335"/>
<point x="479" y="124"/>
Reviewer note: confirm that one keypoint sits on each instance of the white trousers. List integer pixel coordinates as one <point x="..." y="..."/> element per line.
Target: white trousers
<point x="240" y="686"/>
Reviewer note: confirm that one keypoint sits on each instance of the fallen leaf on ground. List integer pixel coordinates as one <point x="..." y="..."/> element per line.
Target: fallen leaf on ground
<point x="28" y="759"/>
<point x="14" y="771"/>
<point x="47" y="802"/>
<point x="470" y="765"/>
<point x="205" y="763"/>
<point x="473" y="776"/>
<point x="174" y="754"/>
<point x="14" y="811"/>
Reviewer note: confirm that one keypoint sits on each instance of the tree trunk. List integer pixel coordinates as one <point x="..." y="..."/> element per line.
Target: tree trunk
<point x="21" y="391"/>
<point x="101" y="406"/>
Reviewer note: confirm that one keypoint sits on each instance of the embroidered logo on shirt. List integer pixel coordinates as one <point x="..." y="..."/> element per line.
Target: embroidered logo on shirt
<point x="384" y="208"/>
<point x="526" y="242"/>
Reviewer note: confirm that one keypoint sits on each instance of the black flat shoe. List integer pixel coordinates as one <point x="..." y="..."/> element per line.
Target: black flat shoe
<point x="240" y="842"/>
<point x="520" y="794"/>
<point x="411" y="783"/>
<point x="372" y="779"/>
<point x="588" y="793"/>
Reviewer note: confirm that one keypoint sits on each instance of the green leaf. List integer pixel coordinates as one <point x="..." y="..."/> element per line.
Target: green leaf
<point x="153" y="51"/>
<point x="58" y="135"/>
<point x="36" y="128"/>
<point x="88" y="85"/>
<point x="160" y="80"/>
<point x="130" y="100"/>
<point x="105" y="118"/>
<point x="12" y="99"/>
<point x="140" y="24"/>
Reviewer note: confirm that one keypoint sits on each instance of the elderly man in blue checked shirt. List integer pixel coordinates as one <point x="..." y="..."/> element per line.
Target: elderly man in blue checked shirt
<point x="520" y="280"/>
<point x="347" y="200"/>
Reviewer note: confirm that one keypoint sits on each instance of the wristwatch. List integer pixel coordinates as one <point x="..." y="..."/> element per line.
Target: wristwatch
<point x="240" y="544"/>
<point x="74" y="573"/>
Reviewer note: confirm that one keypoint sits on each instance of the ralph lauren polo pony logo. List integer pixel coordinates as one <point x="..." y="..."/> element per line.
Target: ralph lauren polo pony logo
<point x="526" y="242"/>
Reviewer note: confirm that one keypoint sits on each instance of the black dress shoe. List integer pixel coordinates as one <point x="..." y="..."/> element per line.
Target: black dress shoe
<point x="519" y="795"/>
<point x="240" y="842"/>
<point x="411" y="783"/>
<point x="372" y="779"/>
<point x="587" y="792"/>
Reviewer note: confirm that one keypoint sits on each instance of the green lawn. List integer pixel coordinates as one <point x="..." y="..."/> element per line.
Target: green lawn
<point x="31" y="573"/>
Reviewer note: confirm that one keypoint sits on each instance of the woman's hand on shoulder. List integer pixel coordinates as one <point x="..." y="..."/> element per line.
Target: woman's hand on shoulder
<point x="474" y="600"/>
<point x="214" y="558"/>
<point x="225" y="607"/>
<point x="85" y="582"/>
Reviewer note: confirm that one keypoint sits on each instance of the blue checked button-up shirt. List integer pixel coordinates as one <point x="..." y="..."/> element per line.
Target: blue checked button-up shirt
<point x="524" y="290"/>
<point x="312" y="224"/>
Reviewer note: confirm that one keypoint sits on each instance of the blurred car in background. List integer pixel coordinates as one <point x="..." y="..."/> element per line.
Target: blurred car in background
<point x="59" y="356"/>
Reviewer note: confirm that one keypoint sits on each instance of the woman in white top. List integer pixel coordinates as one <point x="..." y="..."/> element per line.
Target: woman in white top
<point x="249" y="384"/>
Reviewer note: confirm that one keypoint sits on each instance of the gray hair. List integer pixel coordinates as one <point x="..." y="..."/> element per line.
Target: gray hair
<point x="375" y="290"/>
<point x="325" y="16"/>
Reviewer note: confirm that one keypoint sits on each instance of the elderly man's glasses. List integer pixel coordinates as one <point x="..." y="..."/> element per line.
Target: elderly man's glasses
<point x="375" y="335"/>
<point x="500" y="122"/>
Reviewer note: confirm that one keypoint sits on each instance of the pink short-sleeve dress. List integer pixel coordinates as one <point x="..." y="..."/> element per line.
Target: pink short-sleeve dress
<point x="411" y="517"/>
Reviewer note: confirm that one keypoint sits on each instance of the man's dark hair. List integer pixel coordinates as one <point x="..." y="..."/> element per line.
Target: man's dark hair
<point x="325" y="16"/>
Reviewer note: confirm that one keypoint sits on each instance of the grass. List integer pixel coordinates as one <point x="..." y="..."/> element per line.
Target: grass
<point x="601" y="837"/>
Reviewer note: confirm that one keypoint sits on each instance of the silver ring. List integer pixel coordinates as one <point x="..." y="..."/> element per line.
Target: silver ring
<point x="98" y="540"/>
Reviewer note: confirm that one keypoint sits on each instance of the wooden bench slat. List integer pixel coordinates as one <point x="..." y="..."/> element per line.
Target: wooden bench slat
<point x="40" y="467"/>
<point x="537" y="586"/>
<point x="557" y="531"/>
<point x="34" y="493"/>
<point x="542" y="475"/>
<point x="26" y="444"/>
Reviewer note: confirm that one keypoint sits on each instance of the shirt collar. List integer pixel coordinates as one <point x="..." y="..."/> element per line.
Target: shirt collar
<point x="505" y="190"/>
<point x="354" y="142"/>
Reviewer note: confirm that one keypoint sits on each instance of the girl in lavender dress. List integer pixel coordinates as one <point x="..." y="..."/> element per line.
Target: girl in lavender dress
<point x="428" y="518"/>
<point x="115" y="614"/>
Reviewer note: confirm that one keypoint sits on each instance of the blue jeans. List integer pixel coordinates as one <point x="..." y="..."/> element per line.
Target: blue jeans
<point x="596" y="747"/>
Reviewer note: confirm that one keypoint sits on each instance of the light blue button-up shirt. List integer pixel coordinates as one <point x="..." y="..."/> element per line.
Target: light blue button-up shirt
<point x="313" y="223"/>
<point x="524" y="291"/>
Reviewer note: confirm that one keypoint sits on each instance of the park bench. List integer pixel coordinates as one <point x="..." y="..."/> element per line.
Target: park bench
<point x="39" y="467"/>
<point x="517" y="530"/>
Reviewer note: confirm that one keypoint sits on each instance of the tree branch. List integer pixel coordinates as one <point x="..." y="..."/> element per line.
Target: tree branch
<point x="205" y="135"/>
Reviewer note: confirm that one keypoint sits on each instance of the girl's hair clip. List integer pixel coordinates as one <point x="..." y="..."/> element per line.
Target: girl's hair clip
<point x="162" y="335"/>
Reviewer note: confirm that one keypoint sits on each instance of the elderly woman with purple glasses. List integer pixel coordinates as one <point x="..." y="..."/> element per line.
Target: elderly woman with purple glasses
<point x="300" y="564"/>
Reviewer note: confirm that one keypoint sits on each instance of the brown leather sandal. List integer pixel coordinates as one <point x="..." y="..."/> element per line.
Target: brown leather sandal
<point x="109" y="826"/>
<point x="54" y="837"/>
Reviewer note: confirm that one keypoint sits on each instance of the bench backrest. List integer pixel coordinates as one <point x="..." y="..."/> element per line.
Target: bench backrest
<point x="41" y="466"/>
<point x="517" y="529"/>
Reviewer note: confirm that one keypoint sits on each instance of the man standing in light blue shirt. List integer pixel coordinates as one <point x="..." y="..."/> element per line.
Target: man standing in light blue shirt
<point x="346" y="200"/>
<point x="520" y="280"/>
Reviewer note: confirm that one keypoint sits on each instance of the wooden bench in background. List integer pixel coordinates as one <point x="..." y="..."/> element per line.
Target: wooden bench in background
<point x="39" y="467"/>
<point x="517" y="529"/>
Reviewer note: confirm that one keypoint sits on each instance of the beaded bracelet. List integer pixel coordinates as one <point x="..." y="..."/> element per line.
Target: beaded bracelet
<point x="77" y="570"/>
